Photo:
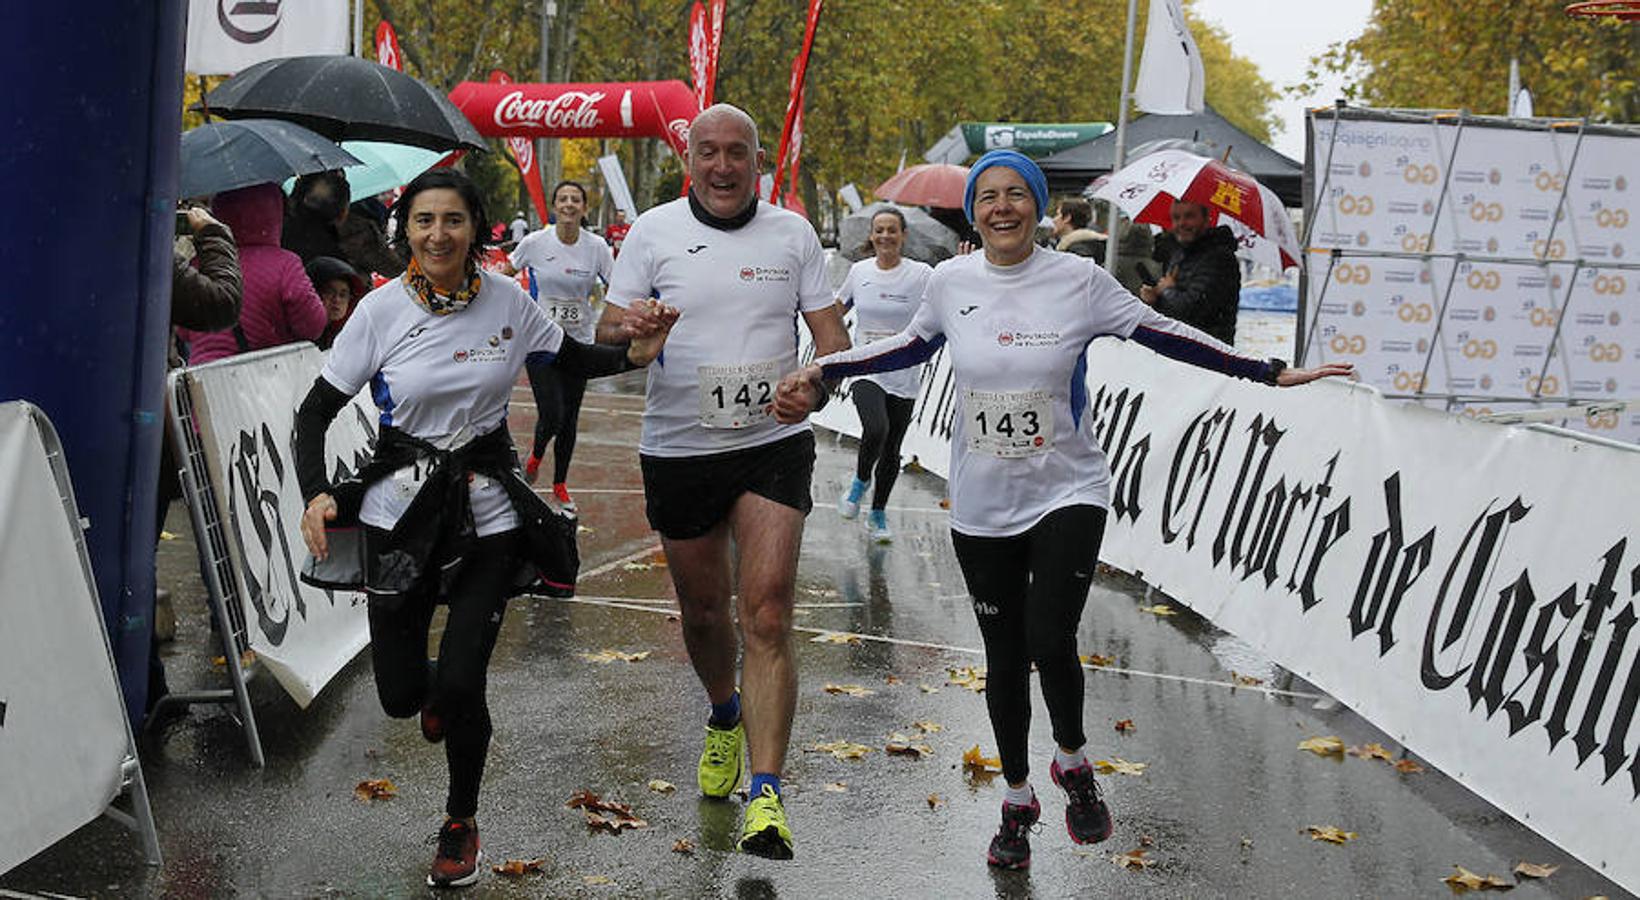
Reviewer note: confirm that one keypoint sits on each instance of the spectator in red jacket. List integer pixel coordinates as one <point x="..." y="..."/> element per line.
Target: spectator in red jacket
<point x="280" y="305"/>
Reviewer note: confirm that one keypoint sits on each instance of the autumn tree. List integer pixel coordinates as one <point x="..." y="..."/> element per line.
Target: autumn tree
<point x="1436" y="54"/>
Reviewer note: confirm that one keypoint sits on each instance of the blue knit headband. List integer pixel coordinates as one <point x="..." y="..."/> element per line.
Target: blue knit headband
<point x="1013" y="159"/>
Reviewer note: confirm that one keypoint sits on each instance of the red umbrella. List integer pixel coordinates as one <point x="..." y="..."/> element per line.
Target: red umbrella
<point x="1146" y="188"/>
<point x="926" y="184"/>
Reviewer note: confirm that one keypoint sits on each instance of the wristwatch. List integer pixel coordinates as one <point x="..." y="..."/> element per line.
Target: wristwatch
<point x="1277" y="366"/>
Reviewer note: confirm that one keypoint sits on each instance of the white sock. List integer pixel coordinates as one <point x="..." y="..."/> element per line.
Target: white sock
<point x="1018" y="796"/>
<point x="1069" y="761"/>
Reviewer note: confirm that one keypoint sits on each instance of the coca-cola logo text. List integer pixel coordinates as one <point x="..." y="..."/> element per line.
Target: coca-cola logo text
<point x="577" y="110"/>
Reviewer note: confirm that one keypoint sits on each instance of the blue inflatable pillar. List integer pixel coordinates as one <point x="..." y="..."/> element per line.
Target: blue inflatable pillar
<point x="88" y="168"/>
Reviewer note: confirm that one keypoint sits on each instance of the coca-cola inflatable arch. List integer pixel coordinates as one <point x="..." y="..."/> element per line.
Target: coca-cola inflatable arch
<point x="660" y="109"/>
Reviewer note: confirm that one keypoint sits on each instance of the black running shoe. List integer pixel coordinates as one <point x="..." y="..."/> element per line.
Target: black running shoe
<point x="1087" y="818"/>
<point x="1010" y="849"/>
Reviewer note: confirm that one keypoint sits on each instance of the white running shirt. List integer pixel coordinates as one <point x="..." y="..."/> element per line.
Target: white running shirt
<point x="1022" y="441"/>
<point x="565" y="276"/>
<point x="444" y="379"/>
<point x="884" y="301"/>
<point x="739" y="293"/>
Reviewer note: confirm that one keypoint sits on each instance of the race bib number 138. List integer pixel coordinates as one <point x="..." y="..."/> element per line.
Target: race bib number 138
<point x="736" y="396"/>
<point x="1009" y="424"/>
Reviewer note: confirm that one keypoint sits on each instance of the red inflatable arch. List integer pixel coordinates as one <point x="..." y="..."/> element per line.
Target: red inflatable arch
<point x="658" y="109"/>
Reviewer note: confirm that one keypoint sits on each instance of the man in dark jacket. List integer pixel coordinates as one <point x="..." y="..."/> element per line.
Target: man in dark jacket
<point x="1202" y="286"/>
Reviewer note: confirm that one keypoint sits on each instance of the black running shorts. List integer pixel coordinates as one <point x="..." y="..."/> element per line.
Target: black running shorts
<point x="687" y="496"/>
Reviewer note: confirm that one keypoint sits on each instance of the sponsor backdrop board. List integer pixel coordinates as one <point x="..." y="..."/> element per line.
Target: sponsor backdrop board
<point x="1486" y="262"/>
<point x="1467" y="587"/>
<point x="246" y="409"/>
<point x="63" y="738"/>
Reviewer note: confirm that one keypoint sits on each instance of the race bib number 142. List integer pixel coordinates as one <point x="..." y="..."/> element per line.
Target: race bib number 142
<point x="736" y="396"/>
<point x="1009" y="424"/>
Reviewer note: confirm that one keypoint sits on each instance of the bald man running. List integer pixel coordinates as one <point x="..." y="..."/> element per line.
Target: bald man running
<point x="719" y="472"/>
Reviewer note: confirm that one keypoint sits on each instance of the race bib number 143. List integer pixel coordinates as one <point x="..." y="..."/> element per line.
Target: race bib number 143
<point x="1009" y="424"/>
<point x="736" y="396"/>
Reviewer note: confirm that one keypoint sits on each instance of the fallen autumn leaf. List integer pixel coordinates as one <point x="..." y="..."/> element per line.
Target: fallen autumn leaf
<point x="518" y="868"/>
<point x="843" y="750"/>
<point x="1463" y="881"/>
<point x="1534" y="870"/>
<point x="661" y="787"/>
<point x="1160" y="609"/>
<point x="1094" y="659"/>
<point x="934" y="801"/>
<point x="609" y="656"/>
<point x="1409" y="767"/>
<point x="1330" y="834"/>
<point x="1137" y="860"/>
<point x="1371" y="751"/>
<point x="376" y="789"/>
<point x="684" y="846"/>
<point x="1119" y="766"/>
<point x="1244" y="680"/>
<point x="926" y="726"/>
<point x="836" y="787"/>
<point x="970" y="677"/>
<point x="835" y="637"/>
<point x="973" y="759"/>
<point x="852" y="690"/>
<point x="1323" y="746"/>
<point x="1124" y="725"/>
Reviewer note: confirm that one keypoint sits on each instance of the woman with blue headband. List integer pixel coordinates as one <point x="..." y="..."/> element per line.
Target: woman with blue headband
<point x="1029" y="483"/>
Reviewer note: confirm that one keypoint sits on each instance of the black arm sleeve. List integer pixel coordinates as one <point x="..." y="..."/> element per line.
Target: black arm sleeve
<point x="313" y="418"/>
<point x="588" y="360"/>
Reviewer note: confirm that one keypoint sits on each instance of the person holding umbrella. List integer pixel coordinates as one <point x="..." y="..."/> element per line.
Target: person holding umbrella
<point x="1030" y="484"/>
<point x="446" y="517"/>
<point x="885" y="290"/>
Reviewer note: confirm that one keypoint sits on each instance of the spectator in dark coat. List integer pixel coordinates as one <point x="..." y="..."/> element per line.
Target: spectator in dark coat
<point x="363" y="237"/>
<point x="312" y="225"/>
<point x="1202" y="284"/>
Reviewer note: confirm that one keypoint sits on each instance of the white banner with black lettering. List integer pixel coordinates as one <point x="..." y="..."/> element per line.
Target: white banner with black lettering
<point x="225" y="36"/>
<point x="1467" y="587"/>
<point x="246" y="408"/>
<point x="63" y="739"/>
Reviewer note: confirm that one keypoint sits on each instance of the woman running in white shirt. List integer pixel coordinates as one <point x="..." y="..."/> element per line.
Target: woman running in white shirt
<point x="884" y="290"/>
<point x="1029" y="483"/>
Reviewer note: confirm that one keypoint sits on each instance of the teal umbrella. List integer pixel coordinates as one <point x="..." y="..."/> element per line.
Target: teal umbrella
<point x="383" y="166"/>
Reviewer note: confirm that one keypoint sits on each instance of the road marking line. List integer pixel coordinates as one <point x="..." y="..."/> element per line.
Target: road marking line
<point x="640" y="606"/>
<point x="595" y="572"/>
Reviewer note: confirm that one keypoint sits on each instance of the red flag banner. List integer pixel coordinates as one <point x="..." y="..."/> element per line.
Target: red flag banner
<point x="387" y="46"/>
<point x="700" y="64"/>
<point x="800" y="67"/>
<point x="714" y="44"/>
<point x="522" y="150"/>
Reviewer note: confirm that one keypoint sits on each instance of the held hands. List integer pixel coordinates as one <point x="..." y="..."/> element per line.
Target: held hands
<point x="320" y="509"/>
<point x="647" y="323"/>
<point x="796" y="395"/>
<point x="1295" y="377"/>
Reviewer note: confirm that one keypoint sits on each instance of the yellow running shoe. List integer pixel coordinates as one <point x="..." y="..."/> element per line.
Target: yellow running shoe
<point x="766" y="832"/>
<point x="723" y="760"/>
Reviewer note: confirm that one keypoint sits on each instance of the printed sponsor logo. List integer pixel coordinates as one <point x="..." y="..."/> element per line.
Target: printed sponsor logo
<point x="577" y="110"/>
<point x="1028" y="338"/>
<point x="761" y="274"/>
<point x="506" y="333"/>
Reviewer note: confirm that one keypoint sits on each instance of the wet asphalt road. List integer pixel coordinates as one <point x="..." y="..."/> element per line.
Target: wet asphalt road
<point x="1222" y="802"/>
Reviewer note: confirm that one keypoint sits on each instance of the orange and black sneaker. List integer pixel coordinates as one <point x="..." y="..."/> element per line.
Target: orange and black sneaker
<point x="560" y="491"/>
<point x="458" y="859"/>
<point x="532" y="468"/>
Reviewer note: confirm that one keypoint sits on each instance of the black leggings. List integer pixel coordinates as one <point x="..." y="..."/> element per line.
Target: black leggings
<point x="883" y="421"/>
<point x="557" y="413"/>
<point x="398" y="650"/>
<point x="1028" y="592"/>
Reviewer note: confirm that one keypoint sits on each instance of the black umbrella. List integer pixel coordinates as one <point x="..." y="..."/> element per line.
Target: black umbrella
<point x="222" y="156"/>
<point x="346" y="98"/>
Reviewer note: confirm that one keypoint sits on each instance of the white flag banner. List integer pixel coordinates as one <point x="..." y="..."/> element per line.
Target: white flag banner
<point x="225" y="36"/>
<point x="615" y="180"/>
<point x="851" y="197"/>
<point x="1171" y="78"/>
<point x="1521" y="108"/>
